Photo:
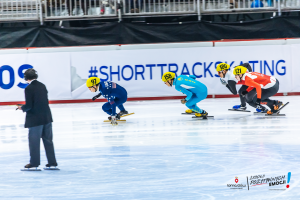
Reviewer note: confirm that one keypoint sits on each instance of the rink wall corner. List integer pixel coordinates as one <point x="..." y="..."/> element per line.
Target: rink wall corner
<point x="138" y="68"/>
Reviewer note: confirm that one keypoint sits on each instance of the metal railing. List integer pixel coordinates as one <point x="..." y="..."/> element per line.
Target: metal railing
<point x="19" y="10"/>
<point x="237" y="5"/>
<point x="144" y="7"/>
<point x="290" y="4"/>
<point x="79" y="8"/>
<point x="11" y="10"/>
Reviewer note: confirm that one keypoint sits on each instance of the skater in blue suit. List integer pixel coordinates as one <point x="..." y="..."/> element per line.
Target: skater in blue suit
<point x="194" y="90"/>
<point x="115" y="95"/>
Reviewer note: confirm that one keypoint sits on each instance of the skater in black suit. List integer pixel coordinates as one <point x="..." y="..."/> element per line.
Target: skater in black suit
<point x="38" y="120"/>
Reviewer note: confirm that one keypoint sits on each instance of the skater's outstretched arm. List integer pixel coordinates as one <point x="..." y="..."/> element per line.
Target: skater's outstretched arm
<point x="232" y="87"/>
<point x="96" y="97"/>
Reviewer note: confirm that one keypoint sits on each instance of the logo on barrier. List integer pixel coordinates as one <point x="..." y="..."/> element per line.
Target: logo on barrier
<point x="11" y="72"/>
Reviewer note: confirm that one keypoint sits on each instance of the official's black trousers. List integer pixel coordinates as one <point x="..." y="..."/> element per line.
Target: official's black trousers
<point x="34" y="136"/>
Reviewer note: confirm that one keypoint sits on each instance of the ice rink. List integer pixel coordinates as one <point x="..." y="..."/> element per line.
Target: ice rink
<point x="157" y="154"/>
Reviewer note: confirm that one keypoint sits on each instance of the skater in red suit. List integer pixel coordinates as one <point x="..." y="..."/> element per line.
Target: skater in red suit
<point x="261" y="87"/>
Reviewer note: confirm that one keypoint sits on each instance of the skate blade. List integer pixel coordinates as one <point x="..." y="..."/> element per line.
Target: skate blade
<point x="278" y="111"/>
<point x="124" y="120"/>
<point x="126" y="115"/>
<point x="51" y="168"/>
<point x="275" y="114"/>
<point x="30" y="169"/>
<point x="259" y="113"/>
<point x="207" y="117"/>
<point x="281" y="107"/>
<point x="239" y="110"/>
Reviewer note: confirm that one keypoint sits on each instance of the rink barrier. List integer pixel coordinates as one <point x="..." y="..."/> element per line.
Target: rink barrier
<point x="140" y="99"/>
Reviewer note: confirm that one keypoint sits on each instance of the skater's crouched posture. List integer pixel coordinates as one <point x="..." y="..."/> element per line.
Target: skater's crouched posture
<point x="261" y="87"/>
<point x="228" y="79"/>
<point x="114" y="93"/>
<point x="195" y="91"/>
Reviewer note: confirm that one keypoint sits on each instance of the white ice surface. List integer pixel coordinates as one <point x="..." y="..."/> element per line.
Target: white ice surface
<point x="157" y="154"/>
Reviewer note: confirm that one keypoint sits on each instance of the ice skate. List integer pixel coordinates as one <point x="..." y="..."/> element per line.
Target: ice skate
<point x="51" y="167"/>
<point x="203" y="115"/>
<point x="261" y="110"/>
<point x="117" y="117"/>
<point x="188" y="112"/>
<point x="30" y="167"/>
<point x="123" y="113"/>
<point x="113" y="121"/>
<point x="239" y="108"/>
<point x="275" y="111"/>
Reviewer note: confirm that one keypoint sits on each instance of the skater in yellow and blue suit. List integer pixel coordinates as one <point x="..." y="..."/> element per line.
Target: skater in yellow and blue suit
<point x="194" y="90"/>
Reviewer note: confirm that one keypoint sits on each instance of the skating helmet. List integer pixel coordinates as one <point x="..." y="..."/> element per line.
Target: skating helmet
<point x="239" y="70"/>
<point x="222" y="66"/>
<point x="92" y="81"/>
<point x="30" y="74"/>
<point x="167" y="76"/>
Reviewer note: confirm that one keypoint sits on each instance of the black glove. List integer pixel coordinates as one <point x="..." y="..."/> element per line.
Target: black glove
<point x="96" y="97"/>
<point x="258" y="101"/>
<point x="244" y="92"/>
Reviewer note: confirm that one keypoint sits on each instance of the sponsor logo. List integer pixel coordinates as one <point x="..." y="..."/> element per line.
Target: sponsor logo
<point x="277" y="183"/>
<point x="288" y="180"/>
<point x="261" y="179"/>
<point x="236" y="180"/>
<point x="236" y="186"/>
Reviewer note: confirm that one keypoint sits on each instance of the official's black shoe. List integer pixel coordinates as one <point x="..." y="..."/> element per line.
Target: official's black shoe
<point x="30" y="166"/>
<point x="51" y="165"/>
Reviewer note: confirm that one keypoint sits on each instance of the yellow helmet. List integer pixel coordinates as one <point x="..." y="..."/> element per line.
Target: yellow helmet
<point x="222" y="66"/>
<point x="92" y="81"/>
<point x="239" y="70"/>
<point x="167" y="76"/>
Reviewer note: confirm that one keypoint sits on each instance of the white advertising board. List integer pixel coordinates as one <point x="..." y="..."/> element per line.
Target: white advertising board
<point x="139" y="71"/>
<point x="53" y="70"/>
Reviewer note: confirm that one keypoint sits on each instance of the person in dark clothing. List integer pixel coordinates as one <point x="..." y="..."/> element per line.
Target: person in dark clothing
<point x="38" y="120"/>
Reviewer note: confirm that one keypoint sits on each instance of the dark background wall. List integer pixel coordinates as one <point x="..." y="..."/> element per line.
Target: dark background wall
<point x="79" y="33"/>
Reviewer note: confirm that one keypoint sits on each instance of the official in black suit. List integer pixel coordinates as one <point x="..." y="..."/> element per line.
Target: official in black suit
<point x="38" y="120"/>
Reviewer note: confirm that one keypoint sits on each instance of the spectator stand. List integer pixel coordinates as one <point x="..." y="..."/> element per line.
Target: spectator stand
<point x="70" y="9"/>
<point x="159" y="7"/>
<point x="24" y="10"/>
<point x="40" y="10"/>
